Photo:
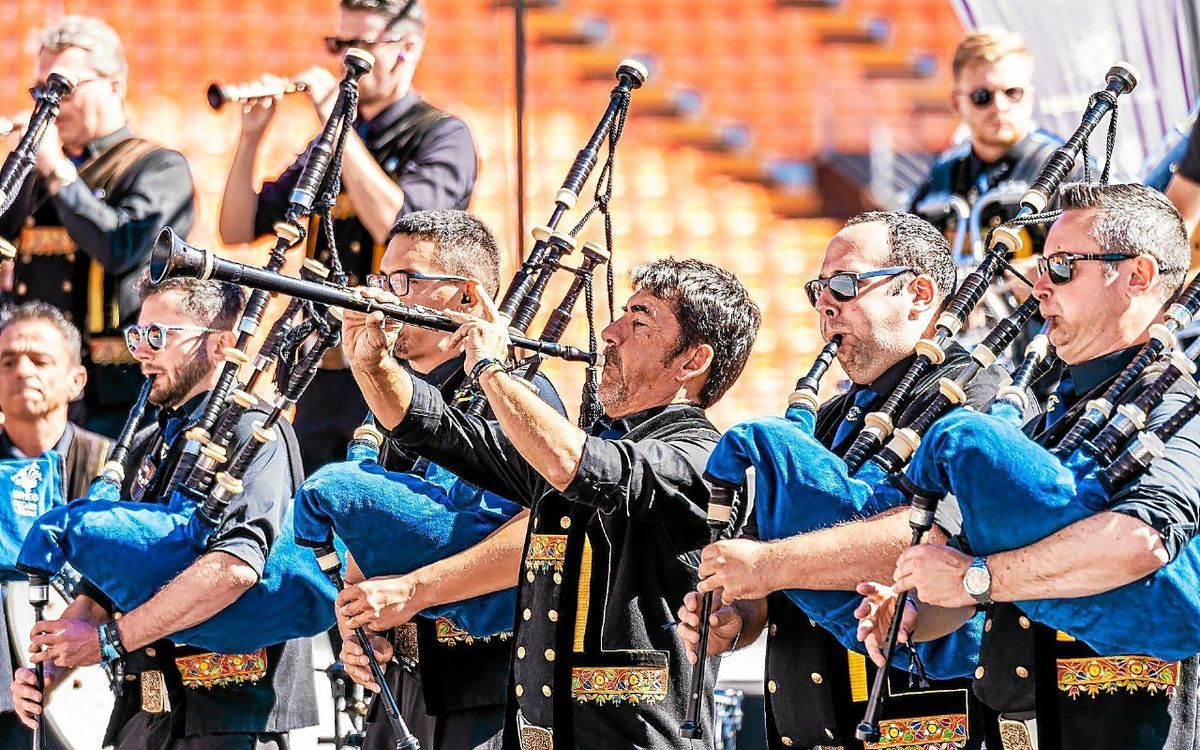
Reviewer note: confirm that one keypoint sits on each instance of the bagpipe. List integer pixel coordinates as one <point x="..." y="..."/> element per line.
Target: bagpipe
<point x="395" y="522"/>
<point x="129" y="551"/>
<point x="985" y="460"/>
<point x="1121" y="79"/>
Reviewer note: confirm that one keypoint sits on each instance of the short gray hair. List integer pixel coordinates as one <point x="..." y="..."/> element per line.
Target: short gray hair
<point x="465" y="246"/>
<point x="915" y="243"/>
<point x="105" y="53"/>
<point x="1135" y="219"/>
<point x="213" y="304"/>
<point x="39" y="311"/>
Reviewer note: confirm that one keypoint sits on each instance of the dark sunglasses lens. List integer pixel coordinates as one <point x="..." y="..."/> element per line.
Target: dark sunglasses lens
<point x="1060" y="269"/>
<point x="981" y="97"/>
<point x="843" y="287"/>
<point x="1015" y="94"/>
<point x="156" y="337"/>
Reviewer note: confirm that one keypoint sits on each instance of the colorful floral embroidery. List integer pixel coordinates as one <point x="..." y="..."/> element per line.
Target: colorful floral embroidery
<point x="211" y="670"/>
<point x="450" y="634"/>
<point x="619" y="684"/>
<point x="546" y="552"/>
<point x="1108" y="674"/>
<point x="948" y="732"/>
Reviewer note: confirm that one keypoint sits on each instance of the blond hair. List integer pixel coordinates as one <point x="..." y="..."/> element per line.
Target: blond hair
<point x="987" y="45"/>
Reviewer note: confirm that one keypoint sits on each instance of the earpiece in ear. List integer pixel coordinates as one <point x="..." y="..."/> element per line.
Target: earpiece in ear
<point x="466" y="298"/>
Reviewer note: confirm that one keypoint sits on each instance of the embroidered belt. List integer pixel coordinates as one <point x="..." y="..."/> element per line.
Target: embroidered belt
<point x="633" y="685"/>
<point x="547" y="552"/>
<point x="46" y="241"/>
<point x="211" y="670"/>
<point x="450" y="634"/>
<point x="945" y="732"/>
<point x="1108" y="674"/>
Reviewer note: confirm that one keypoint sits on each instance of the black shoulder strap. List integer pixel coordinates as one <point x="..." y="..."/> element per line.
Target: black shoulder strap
<point x="401" y="141"/>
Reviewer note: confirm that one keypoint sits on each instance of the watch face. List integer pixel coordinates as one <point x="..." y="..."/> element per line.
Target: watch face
<point x="977" y="581"/>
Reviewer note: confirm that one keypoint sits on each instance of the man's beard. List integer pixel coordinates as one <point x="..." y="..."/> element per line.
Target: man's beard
<point x="172" y="392"/>
<point x="612" y="389"/>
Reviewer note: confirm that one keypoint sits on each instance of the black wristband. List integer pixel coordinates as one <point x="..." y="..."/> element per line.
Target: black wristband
<point x="481" y="366"/>
<point x="111" y="647"/>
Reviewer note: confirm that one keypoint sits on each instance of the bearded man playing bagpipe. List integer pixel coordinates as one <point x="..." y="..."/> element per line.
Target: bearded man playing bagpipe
<point x="811" y="541"/>
<point x="1088" y="583"/>
<point x="617" y="512"/>
<point x="174" y="696"/>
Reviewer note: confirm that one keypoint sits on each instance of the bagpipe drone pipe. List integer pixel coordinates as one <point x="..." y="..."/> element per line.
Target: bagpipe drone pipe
<point x="1014" y="492"/>
<point x="130" y="550"/>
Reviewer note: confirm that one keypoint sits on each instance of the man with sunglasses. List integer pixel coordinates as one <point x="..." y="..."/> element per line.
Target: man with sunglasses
<point x="451" y="690"/>
<point x="993" y="96"/>
<point x="884" y="279"/>
<point x="85" y="221"/>
<point x="1113" y="261"/>
<point x="404" y="155"/>
<point x="180" y="697"/>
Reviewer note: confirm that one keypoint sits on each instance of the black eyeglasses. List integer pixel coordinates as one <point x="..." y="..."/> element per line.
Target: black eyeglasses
<point x="400" y="282"/>
<point x="37" y="91"/>
<point x="1061" y="266"/>
<point x="844" y="286"/>
<point x="983" y="96"/>
<point x="336" y="45"/>
<point x="155" y="334"/>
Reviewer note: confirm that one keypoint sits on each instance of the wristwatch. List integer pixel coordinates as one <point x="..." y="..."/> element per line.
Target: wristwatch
<point x="64" y="174"/>
<point x="978" y="581"/>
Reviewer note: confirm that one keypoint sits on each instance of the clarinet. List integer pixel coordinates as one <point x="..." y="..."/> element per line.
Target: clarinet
<point x="1121" y="79"/>
<point x="39" y="597"/>
<point x="113" y="472"/>
<point x="1132" y="415"/>
<point x="631" y="74"/>
<point x="20" y="160"/>
<point x="289" y="232"/>
<point x="951" y="393"/>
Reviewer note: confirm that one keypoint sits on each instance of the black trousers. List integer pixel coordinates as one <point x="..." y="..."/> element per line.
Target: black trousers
<point x="479" y="728"/>
<point x="153" y="732"/>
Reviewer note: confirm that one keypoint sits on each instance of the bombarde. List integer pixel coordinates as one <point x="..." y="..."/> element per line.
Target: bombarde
<point x="172" y="257"/>
<point x="219" y="95"/>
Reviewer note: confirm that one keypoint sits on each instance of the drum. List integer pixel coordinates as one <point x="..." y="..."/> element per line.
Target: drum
<point x="727" y="718"/>
<point x="78" y="711"/>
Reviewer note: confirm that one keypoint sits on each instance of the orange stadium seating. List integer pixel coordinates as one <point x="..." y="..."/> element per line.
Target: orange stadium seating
<point x="718" y="158"/>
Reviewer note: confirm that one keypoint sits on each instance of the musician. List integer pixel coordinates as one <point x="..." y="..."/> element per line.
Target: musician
<point x="617" y="513"/>
<point x="1184" y="188"/>
<point x="404" y="155"/>
<point x="41" y="371"/>
<point x="993" y="96"/>
<point x="455" y="697"/>
<point x="175" y="696"/>
<point x="810" y="698"/>
<point x="85" y="220"/>
<point x="1099" y="315"/>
